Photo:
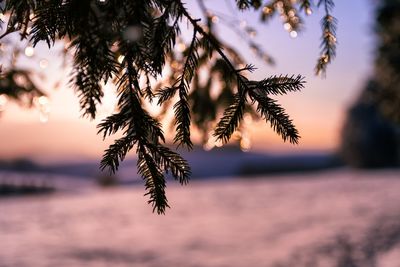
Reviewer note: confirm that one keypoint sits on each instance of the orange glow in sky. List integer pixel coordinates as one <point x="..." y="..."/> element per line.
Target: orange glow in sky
<point x="318" y="111"/>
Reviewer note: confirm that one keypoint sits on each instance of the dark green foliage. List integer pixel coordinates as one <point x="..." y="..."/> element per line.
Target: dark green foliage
<point x="132" y="44"/>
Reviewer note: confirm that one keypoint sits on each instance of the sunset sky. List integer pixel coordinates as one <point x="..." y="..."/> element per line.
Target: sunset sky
<point x="318" y="111"/>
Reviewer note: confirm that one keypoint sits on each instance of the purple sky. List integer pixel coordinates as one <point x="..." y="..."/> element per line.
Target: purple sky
<point x="318" y="111"/>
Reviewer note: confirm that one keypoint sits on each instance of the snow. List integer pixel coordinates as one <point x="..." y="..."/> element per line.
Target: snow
<point x="232" y="222"/>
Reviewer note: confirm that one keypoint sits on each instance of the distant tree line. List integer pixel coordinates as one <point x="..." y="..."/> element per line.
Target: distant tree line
<point x="371" y="133"/>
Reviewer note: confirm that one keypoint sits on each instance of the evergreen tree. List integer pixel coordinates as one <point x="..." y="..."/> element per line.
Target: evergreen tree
<point x="371" y="134"/>
<point x="387" y="61"/>
<point x="132" y="43"/>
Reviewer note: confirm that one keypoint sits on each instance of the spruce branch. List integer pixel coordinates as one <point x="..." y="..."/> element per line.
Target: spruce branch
<point x="328" y="39"/>
<point x="171" y="161"/>
<point x="142" y="36"/>
<point x="117" y="153"/>
<point x="159" y="48"/>
<point x="94" y="63"/>
<point x="154" y="131"/>
<point x="182" y="121"/>
<point x="166" y="94"/>
<point x="181" y="108"/>
<point x="267" y="107"/>
<point x="248" y="67"/>
<point x="130" y="106"/>
<point x="213" y="41"/>
<point x="144" y="131"/>
<point x="230" y="119"/>
<point x="154" y="180"/>
<point x="246" y="33"/>
<point x="275" y="114"/>
<point x="44" y="28"/>
<point x="328" y="5"/>
<point x="278" y="85"/>
<point x="114" y="123"/>
<point x="234" y="113"/>
<point x="147" y="91"/>
<point x="19" y="20"/>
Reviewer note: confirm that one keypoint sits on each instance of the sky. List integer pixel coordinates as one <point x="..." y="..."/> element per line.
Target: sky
<point x="318" y="111"/>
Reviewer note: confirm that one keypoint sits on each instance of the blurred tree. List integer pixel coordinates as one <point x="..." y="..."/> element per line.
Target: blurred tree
<point x="137" y="45"/>
<point x="371" y="134"/>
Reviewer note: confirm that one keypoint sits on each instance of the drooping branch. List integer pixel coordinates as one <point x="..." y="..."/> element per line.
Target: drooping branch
<point x="181" y="108"/>
<point x="328" y="39"/>
<point x="129" y="43"/>
<point x="267" y="107"/>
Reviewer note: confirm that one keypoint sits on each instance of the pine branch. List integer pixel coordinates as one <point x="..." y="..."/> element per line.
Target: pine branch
<point x="275" y="114"/>
<point x="145" y="34"/>
<point x="89" y="91"/>
<point x="181" y="108"/>
<point x="234" y="113"/>
<point x="20" y="11"/>
<point x="192" y="59"/>
<point x="130" y="116"/>
<point x="117" y="153"/>
<point x="166" y="94"/>
<point x="114" y="123"/>
<point x="230" y="119"/>
<point x="278" y="85"/>
<point x="160" y="47"/>
<point x="154" y="180"/>
<point x="213" y="41"/>
<point x="328" y="39"/>
<point x="169" y="160"/>
<point x="328" y="5"/>
<point x="94" y="63"/>
<point x="143" y="130"/>
<point x="148" y="92"/>
<point x="52" y="22"/>
<point x="182" y="120"/>
<point x="153" y="127"/>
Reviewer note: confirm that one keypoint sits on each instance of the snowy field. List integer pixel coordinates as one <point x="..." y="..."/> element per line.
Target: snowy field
<point x="218" y="223"/>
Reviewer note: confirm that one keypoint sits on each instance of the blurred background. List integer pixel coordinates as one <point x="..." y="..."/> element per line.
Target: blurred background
<point x="331" y="200"/>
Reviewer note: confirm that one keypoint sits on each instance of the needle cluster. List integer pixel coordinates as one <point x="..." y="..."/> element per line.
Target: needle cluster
<point x="131" y="44"/>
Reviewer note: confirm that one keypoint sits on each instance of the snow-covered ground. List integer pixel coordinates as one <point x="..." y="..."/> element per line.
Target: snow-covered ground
<point x="230" y="222"/>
